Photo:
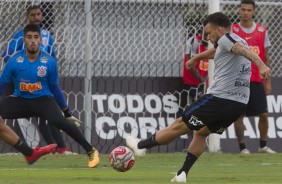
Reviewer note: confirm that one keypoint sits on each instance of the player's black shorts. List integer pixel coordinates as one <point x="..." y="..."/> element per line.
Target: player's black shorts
<point x="215" y="113"/>
<point x="257" y="102"/>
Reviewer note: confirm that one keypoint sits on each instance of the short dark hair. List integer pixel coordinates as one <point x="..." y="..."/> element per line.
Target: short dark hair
<point x="218" y="19"/>
<point x="32" y="28"/>
<point x="33" y="7"/>
<point x="252" y="2"/>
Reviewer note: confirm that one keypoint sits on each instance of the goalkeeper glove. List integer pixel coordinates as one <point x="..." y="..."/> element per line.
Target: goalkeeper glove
<point x="68" y="114"/>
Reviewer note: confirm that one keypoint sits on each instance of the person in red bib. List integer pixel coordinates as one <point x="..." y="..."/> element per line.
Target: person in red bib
<point x="257" y="38"/>
<point x="194" y="79"/>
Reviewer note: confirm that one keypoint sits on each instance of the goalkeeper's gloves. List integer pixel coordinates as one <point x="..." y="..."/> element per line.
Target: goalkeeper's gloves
<point x="68" y="114"/>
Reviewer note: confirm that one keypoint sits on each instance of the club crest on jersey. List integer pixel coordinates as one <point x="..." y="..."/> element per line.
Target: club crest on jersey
<point x="44" y="60"/>
<point x="20" y="59"/>
<point x="45" y="41"/>
<point x="236" y="29"/>
<point x="44" y="32"/>
<point x="42" y="70"/>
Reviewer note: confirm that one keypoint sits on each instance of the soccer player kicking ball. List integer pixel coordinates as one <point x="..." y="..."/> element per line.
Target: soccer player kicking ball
<point x="37" y="92"/>
<point x="225" y="100"/>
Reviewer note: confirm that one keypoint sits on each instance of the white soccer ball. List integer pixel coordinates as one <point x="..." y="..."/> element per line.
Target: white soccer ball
<point x="122" y="158"/>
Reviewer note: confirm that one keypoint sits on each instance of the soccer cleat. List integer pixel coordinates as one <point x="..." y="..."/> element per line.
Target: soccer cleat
<point x="63" y="151"/>
<point x="93" y="158"/>
<point x="132" y="142"/>
<point x="245" y="151"/>
<point x="266" y="149"/>
<point x="181" y="178"/>
<point x="38" y="152"/>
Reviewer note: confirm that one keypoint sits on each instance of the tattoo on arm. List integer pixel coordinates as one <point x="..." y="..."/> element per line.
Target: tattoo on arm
<point x="247" y="54"/>
<point x="244" y="53"/>
<point x="241" y="50"/>
<point x="196" y="73"/>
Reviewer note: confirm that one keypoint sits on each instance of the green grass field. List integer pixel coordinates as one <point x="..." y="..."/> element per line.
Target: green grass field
<point x="154" y="168"/>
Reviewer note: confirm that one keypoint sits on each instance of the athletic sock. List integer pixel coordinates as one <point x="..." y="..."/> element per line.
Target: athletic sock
<point x="23" y="148"/>
<point x="262" y="143"/>
<point x="148" y="143"/>
<point x="242" y="146"/>
<point x="188" y="163"/>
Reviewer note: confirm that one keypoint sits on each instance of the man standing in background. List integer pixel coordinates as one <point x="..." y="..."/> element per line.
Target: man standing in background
<point x="194" y="78"/>
<point x="257" y="38"/>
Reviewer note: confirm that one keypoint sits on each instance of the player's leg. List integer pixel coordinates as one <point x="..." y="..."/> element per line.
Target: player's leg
<point x="161" y="137"/>
<point x="263" y="129"/>
<point x="209" y="113"/>
<point x="45" y="131"/>
<point x="195" y="149"/>
<point x="13" y="108"/>
<point x="179" y="127"/>
<point x="52" y="113"/>
<point x="13" y="123"/>
<point x="58" y="137"/>
<point x="52" y="135"/>
<point x="258" y="106"/>
<point x="15" y="126"/>
<point x="239" y="131"/>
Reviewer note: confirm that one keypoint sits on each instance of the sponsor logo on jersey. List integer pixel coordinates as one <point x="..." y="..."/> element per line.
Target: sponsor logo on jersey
<point x="204" y="66"/>
<point x="195" y="122"/>
<point x="30" y="87"/>
<point x="255" y="49"/>
<point x="20" y="59"/>
<point x="242" y="83"/>
<point x="41" y="71"/>
<point x="44" y="60"/>
<point x="247" y="38"/>
<point x="261" y="29"/>
<point x="241" y="95"/>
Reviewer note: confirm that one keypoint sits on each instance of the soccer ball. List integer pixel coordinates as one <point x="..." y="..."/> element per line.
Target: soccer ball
<point x="122" y="158"/>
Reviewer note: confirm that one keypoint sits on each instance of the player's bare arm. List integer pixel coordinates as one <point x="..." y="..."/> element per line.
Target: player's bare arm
<point x="267" y="83"/>
<point x="240" y="49"/>
<point x="197" y="74"/>
<point x="208" y="54"/>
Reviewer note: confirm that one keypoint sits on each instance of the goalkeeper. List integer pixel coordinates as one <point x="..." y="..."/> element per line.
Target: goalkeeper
<point x="49" y="132"/>
<point x="35" y="76"/>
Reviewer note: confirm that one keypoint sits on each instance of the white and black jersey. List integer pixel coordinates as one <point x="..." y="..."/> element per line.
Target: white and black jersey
<point x="232" y="71"/>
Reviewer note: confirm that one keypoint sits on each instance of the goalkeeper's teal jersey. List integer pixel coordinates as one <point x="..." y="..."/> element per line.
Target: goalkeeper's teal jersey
<point x="31" y="79"/>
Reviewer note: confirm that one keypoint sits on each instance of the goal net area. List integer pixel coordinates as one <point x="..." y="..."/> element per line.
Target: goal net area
<point x="121" y="61"/>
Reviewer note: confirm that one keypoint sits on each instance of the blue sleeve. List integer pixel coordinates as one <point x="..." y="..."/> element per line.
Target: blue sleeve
<point x="6" y="76"/>
<point x="60" y="99"/>
<point x="14" y="45"/>
<point x="54" y="86"/>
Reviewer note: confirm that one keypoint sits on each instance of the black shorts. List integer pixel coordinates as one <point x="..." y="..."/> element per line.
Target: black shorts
<point x="257" y="102"/>
<point x="215" y="113"/>
<point x="45" y="107"/>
